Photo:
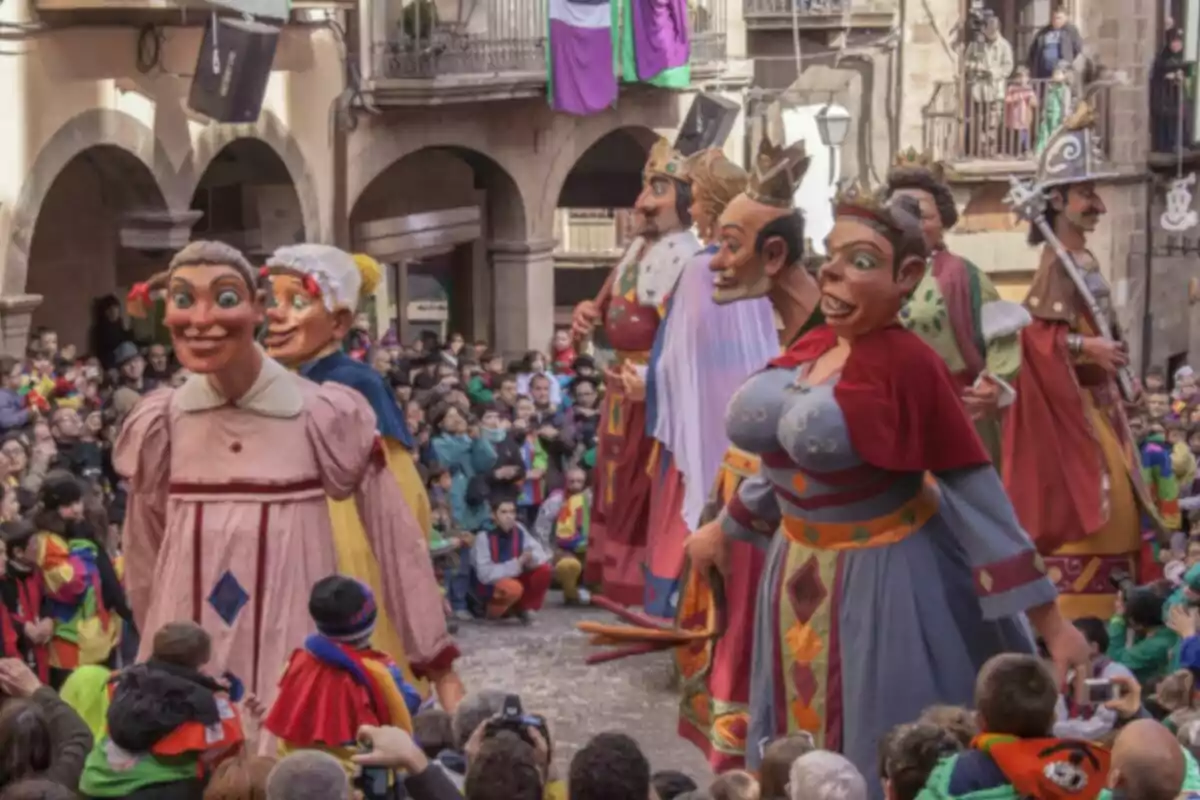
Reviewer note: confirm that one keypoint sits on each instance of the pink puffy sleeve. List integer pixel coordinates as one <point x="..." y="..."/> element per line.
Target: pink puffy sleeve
<point x="142" y="456"/>
<point x="341" y="427"/>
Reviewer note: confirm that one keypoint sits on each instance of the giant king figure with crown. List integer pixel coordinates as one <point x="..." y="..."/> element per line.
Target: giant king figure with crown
<point x="1070" y="464"/>
<point x="631" y="306"/>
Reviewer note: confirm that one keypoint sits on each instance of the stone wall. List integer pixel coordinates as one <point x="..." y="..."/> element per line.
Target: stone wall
<point x="1123" y="35"/>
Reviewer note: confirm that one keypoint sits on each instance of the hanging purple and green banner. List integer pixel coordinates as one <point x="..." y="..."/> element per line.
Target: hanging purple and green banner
<point x="580" y="70"/>
<point x="655" y="42"/>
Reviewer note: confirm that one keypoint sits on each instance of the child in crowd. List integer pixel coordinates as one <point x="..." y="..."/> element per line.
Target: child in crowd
<point x="1015" y="698"/>
<point x="572" y="524"/>
<point x="24" y="599"/>
<point x="1020" y="107"/>
<point x="433" y="731"/>
<point x="511" y="573"/>
<point x="337" y="682"/>
<point x="777" y="759"/>
<point x="168" y="722"/>
<point x="1158" y="474"/>
<point x="1176" y="695"/>
<point x="85" y="595"/>
<point x="1057" y="103"/>
<point x="908" y="754"/>
<point x="669" y="784"/>
<point x="1183" y="463"/>
<point x="734" y="785"/>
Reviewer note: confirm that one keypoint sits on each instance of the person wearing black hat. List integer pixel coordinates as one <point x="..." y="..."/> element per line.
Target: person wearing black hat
<point x="321" y="703"/>
<point x="80" y="580"/>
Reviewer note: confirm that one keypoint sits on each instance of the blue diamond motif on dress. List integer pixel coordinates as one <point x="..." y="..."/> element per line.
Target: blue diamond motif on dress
<point x="228" y="598"/>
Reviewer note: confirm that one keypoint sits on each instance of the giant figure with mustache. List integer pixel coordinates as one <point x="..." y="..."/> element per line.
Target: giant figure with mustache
<point x="316" y="290"/>
<point x="631" y="306"/>
<point x="892" y="529"/>
<point x="228" y="523"/>
<point x="1070" y="468"/>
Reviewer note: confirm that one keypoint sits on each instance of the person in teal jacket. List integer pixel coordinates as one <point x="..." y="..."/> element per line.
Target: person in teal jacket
<point x="1016" y="755"/>
<point x="1138" y="637"/>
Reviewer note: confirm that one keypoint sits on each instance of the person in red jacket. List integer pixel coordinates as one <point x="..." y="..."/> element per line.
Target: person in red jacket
<point x="337" y="682"/>
<point x="25" y="623"/>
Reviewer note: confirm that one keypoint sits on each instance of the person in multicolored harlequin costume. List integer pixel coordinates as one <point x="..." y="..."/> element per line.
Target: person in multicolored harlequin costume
<point x="316" y="290"/>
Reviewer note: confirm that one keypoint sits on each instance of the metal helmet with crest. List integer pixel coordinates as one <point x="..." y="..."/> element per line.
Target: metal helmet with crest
<point x="1073" y="153"/>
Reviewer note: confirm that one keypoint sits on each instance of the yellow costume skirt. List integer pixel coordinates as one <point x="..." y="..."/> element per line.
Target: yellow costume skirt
<point x="356" y="558"/>
<point x="1081" y="569"/>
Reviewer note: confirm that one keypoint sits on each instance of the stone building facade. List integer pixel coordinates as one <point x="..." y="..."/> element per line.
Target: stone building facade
<point x="413" y="142"/>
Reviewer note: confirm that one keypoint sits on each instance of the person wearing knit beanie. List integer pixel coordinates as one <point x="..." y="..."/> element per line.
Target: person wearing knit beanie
<point x="343" y="609"/>
<point x="321" y="702"/>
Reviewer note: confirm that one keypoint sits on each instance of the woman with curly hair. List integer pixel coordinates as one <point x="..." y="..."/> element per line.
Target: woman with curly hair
<point x="956" y="309"/>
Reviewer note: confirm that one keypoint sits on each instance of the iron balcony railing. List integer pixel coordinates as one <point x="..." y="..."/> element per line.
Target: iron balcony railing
<point x="775" y="7"/>
<point x="1002" y="120"/>
<point x="431" y="38"/>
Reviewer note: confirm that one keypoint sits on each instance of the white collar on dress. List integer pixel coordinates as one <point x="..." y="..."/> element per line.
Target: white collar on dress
<point x="275" y="393"/>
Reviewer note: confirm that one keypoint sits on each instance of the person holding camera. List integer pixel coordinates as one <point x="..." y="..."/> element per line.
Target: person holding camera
<point x="392" y="750"/>
<point x="1138" y="637"/>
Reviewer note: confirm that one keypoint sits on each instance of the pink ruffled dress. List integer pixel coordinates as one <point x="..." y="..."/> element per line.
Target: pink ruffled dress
<point x="228" y="525"/>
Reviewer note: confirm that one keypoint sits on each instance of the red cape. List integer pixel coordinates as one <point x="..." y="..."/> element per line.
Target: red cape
<point x="902" y="409"/>
<point x="1053" y="465"/>
<point x="319" y="704"/>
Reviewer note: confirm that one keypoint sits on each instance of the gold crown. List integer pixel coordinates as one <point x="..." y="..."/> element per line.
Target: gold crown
<point x="665" y="160"/>
<point x="912" y="159"/>
<point x="777" y="173"/>
<point x="858" y="197"/>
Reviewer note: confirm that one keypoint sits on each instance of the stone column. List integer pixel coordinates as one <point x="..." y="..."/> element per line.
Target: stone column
<point x="16" y="319"/>
<point x="1122" y="34"/>
<point x="523" y="296"/>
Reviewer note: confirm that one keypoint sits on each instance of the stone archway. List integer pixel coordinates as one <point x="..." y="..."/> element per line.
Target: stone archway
<point x="593" y="220"/>
<point x="93" y="128"/>
<point x="246" y="196"/>
<point x="450" y="222"/>
<point x="80" y="247"/>
<point x="270" y="130"/>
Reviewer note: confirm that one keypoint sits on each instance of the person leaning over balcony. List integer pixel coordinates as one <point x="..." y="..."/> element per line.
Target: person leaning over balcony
<point x="989" y="63"/>
<point x="1058" y="41"/>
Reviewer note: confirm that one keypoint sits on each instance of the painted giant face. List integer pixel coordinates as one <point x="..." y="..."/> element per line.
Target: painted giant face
<point x="1080" y="206"/>
<point x="861" y="291"/>
<point x="299" y="326"/>
<point x="742" y="273"/>
<point x="211" y="313"/>
<point x="931" y="219"/>
<point x="655" y="207"/>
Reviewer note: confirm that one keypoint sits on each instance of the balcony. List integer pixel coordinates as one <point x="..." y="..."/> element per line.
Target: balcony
<point x="591" y="237"/>
<point x="817" y="15"/>
<point x="1169" y="141"/>
<point x="167" y="12"/>
<point x="433" y="52"/>
<point x="993" y="140"/>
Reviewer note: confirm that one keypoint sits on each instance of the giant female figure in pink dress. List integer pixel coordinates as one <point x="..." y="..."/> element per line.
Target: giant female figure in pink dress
<point x="228" y="523"/>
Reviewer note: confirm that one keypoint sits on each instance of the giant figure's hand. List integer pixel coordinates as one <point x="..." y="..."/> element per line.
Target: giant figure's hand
<point x="584" y="319"/>
<point x="1109" y="355"/>
<point x="633" y="382"/>
<point x="707" y="549"/>
<point x="1067" y="647"/>
<point x="983" y="399"/>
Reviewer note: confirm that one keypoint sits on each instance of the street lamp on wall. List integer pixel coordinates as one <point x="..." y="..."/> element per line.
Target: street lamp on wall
<point x="833" y="125"/>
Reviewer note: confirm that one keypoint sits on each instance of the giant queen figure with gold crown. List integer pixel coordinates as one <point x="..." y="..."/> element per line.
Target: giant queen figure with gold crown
<point x="1070" y="463"/>
<point x="631" y="307"/>
<point x="316" y="290"/>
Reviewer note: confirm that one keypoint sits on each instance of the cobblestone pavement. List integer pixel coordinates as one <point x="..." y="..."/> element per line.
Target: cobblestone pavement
<point x="544" y="664"/>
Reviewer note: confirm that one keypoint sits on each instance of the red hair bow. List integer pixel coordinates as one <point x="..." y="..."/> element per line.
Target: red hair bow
<point x="311" y="286"/>
<point x="264" y="272"/>
<point x="140" y="293"/>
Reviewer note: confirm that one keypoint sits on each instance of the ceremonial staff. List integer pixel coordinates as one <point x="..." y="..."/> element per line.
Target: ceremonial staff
<point x="1030" y="205"/>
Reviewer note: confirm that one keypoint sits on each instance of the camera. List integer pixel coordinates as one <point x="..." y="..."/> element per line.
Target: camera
<point x="513" y="718"/>
<point x="375" y="783"/>
<point x="1101" y="690"/>
<point x="1122" y="581"/>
